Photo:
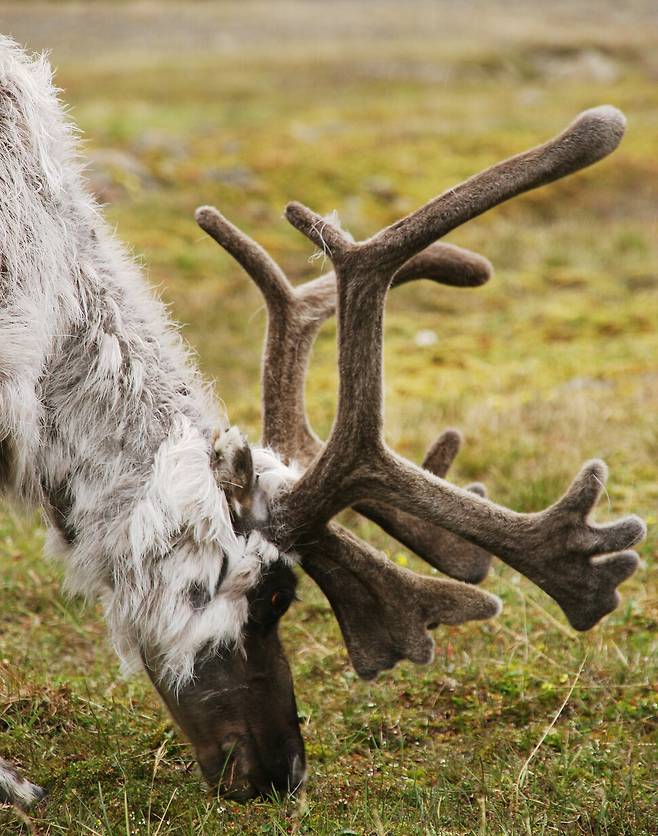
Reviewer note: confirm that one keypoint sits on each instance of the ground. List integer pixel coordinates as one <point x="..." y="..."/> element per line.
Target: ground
<point x="520" y="725"/>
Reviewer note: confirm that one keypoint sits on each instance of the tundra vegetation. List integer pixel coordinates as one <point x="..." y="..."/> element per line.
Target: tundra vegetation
<point x="520" y="725"/>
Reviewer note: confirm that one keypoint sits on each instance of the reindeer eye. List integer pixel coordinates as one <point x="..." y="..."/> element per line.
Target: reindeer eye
<point x="280" y="602"/>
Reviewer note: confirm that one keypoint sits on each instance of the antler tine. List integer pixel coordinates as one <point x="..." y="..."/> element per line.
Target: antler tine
<point x="591" y="136"/>
<point x="291" y="329"/>
<point x="447" y="264"/>
<point x="385" y="611"/>
<point x="260" y="266"/>
<point x="553" y="548"/>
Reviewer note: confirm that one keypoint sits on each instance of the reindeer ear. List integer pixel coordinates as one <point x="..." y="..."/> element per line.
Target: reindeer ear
<point x="385" y="611"/>
<point x="233" y="465"/>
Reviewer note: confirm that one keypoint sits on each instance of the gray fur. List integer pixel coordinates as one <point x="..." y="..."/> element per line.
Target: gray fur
<point x="104" y="420"/>
<point x="14" y="789"/>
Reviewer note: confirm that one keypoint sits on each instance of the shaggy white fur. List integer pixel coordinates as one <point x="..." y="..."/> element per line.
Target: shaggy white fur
<point x="104" y="421"/>
<point x="15" y="789"/>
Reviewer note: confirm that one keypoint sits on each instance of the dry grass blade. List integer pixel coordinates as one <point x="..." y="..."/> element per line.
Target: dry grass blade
<point x="523" y="773"/>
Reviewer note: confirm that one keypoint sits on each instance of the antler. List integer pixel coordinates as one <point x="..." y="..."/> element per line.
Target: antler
<point x="295" y="315"/>
<point x="573" y="560"/>
<point x="385" y="611"/>
<point x="438" y="546"/>
<point x="356" y="579"/>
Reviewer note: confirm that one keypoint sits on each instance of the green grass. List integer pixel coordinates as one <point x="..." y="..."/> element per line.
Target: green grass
<point x="371" y="111"/>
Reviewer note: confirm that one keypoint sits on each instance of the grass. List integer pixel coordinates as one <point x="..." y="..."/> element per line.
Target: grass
<point x="520" y="725"/>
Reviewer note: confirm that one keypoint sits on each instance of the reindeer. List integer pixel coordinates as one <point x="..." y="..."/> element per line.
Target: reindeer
<point x="188" y="534"/>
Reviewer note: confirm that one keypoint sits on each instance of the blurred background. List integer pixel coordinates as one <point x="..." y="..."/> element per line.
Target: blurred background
<point x="370" y="109"/>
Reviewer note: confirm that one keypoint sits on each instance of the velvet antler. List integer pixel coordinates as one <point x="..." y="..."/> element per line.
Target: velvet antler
<point x="576" y="562"/>
<point x="378" y="630"/>
<point x="383" y="610"/>
<point x="295" y="315"/>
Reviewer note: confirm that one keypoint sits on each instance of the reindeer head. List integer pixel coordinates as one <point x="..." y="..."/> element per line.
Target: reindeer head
<point x="385" y="612"/>
<point x="206" y="625"/>
<point x="239" y="710"/>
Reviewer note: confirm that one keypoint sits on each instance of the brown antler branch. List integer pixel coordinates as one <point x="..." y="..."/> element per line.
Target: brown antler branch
<point x="591" y="136"/>
<point x="257" y="263"/>
<point x="457" y="557"/>
<point x="385" y="611"/>
<point x="292" y="324"/>
<point x="294" y="318"/>
<point x="356" y="579"/>
<point x="573" y="560"/>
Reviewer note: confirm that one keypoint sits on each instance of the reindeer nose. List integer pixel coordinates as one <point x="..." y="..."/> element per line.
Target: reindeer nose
<point x="284" y="773"/>
<point x="248" y="773"/>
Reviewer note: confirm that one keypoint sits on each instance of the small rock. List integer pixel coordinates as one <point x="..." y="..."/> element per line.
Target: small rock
<point x="425" y="338"/>
<point x="160" y="144"/>
<point x="238" y="175"/>
<point x="112" y="174"/>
